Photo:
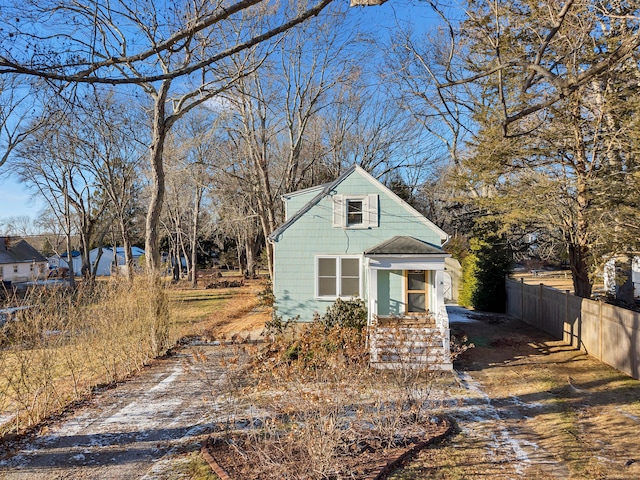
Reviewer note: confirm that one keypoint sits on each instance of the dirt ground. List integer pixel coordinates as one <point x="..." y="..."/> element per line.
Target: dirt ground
<point x="526" y="407"/>
<point x="533" y="409"/>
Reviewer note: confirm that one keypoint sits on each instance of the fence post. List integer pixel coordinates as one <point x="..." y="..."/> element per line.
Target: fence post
<point x="600" y="333"/>
<point x="539" y="307"/>
<point x="566" y="317"/>
<point x="522" y="299"/>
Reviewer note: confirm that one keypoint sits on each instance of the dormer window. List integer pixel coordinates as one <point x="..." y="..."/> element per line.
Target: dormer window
<point x="354" y="213"/>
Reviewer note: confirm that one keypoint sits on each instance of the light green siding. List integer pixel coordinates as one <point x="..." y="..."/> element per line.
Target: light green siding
<point x="314" y="234"/>
<point x="390" y="292"/>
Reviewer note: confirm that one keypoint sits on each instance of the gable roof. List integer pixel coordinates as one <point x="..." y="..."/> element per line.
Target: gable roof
<point x="18" y="252"/>
<point x="403" y="245"/>
<point x="329" y="187"/>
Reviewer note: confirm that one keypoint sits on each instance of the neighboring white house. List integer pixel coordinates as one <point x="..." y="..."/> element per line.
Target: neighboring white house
<point x="61" y="261"/>
<point x="610" y="282"/>
<point x="19" y="261"/>
<point x="106" y="263"/>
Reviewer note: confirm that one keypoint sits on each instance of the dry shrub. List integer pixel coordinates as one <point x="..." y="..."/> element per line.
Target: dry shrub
<point x="318" y="411"/>
<point x="69" y="341"/>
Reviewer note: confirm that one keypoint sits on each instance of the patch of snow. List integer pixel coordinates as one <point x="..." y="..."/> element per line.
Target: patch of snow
<point x="460" y="315"/>
<point x="531" y="405"/>
<point x="484" y="412"/>
<point x="164" y="384"/>
<point x="4" y="419"/>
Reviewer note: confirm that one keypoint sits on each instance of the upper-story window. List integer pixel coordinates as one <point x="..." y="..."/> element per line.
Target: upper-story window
<point x="15" y="269"/>
<point x="355" y="211"/>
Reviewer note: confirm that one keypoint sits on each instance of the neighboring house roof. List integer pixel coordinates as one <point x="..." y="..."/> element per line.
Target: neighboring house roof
<point x="74" y="254"/>
<point x="18" y="252"/>
<point x="402" y="245"/>
<point x="135" y="251"/>
<point x="330" y="187"/>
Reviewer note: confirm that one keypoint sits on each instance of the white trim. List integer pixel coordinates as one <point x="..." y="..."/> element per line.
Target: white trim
<point x="407" y="263"/>
<point x="338" y="259"/>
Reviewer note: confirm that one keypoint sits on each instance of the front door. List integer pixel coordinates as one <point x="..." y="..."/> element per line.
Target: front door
<point x="417" y="291"/>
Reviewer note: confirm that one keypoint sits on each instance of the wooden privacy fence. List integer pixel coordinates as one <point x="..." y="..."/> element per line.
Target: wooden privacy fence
<point x="610" y="334"/>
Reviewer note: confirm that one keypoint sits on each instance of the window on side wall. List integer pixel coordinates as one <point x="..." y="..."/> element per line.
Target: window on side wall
<point x="337" y="277"/>
<point x="15" y="269"/>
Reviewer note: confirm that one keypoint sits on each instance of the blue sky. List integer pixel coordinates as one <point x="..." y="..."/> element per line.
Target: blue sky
<point x="16" y="200"/>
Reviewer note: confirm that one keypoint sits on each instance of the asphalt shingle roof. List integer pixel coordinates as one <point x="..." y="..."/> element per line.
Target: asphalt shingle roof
<point x="403" y="245"/>
<point x="19" y="251"/>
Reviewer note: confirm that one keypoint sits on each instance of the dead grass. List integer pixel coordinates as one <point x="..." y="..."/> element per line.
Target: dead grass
<point x="559" y="279"/>
<point x="56" y="352"/>
<point x="219" y="313"/>
<point x="581" y="415"/>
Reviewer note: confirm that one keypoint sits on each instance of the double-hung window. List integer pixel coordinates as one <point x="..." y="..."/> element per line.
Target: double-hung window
<point x="355" y="211"/>
<point x="337" y="277"/>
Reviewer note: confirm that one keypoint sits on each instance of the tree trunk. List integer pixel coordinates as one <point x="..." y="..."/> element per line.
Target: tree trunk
<point x="194" y="235"/>
<point x="624" y="280"/>
<point x="67" y="220"/>
<point x="579" y="270"/>
<point x="159" y="133"/>
<point x="72" y="278"/>
<point x="126" y="244"/>
<point x="579" y="245"/>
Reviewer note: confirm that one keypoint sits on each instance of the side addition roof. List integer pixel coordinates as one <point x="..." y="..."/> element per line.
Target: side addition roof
<point x="403" y="245"/>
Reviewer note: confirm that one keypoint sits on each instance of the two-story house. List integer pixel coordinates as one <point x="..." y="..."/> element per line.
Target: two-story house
<point x="356" y="238"/>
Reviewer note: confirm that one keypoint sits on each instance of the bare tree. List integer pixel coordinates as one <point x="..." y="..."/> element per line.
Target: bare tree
<point x="52" y="161"/>
<point x="20" y="115"/>
<point x="522" y="47"/>
<point x="112" y="149"/>
<point x="177" y="55"/>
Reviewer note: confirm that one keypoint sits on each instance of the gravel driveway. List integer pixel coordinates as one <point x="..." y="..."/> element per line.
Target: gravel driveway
<point x="134" y="430"/>
<point x="527" y="408"/>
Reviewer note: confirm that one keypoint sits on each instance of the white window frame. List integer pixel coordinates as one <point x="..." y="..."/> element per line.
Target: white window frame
<point x="363" y="220"/>
<point x="338" y="260"/>
<point x="369" y="211"/>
